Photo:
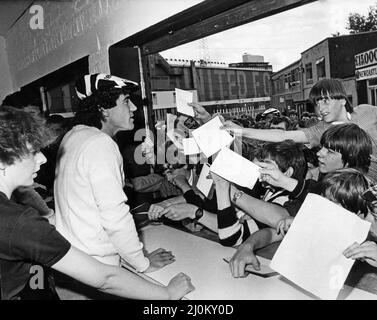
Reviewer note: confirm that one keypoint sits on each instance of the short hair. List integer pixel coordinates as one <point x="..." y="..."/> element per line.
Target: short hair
<point x="286" y="120"/>
<point x="332" y="88"/>
<point x="352" y="142"/>
<point x="346" y="187"/>
<point x="21" y="133"/>
<point x="286" y="154"/>
<point x="89" y="109"/>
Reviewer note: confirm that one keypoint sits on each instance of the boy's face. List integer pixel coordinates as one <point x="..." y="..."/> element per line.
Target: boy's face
<point x="331" y="109"/>
<point x="24" y="170"/>
<point x="329" y="160"/>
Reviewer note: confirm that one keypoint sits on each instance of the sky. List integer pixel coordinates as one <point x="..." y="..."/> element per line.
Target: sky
<point x="279" y="38"/>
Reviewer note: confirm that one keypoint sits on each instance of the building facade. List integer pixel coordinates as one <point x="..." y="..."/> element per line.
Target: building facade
<point x="331" y="58"/>
<point x="228" y="90"/>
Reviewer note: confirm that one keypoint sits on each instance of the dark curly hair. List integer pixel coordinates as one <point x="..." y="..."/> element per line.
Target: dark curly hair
<point x="89" y="109"/>
<point x="21" y="133"/>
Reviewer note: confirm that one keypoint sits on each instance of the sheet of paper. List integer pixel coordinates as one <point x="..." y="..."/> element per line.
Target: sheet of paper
<point x="190" y="147"/>
<point x="184" y="97"/>
<point x="235" y="168"/>
<point x="311" y="253"/>
<point x="176" y="138"/>
<point x="265" y="270"/>
<point x="170" y="119"/>
<point x="204" y="184"/>
<point x="202" y="260"/>
<point x="210" y="138"/>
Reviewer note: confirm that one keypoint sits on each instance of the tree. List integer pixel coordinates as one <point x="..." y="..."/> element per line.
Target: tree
<point x="360" y="23"/>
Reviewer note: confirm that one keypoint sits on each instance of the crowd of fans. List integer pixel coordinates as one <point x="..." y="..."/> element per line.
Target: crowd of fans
<point x="75" y="216"/>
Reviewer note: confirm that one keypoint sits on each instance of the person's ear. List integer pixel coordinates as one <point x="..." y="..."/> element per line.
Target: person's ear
<point x="289" y="172"/>
<point x="343" y="102"/>
<point x="105" y="112"/>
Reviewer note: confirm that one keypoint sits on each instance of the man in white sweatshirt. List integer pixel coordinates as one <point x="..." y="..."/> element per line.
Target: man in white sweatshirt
<point x="90" y="205"/>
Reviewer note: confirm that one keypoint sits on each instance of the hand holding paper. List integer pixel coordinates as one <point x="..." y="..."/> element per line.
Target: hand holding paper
<point x="210" y="138"/>
<point x="204" y="184"/>
<point x="311" y="254"/>
<point x="183" y="98"/>
<point x="235" y="168"/>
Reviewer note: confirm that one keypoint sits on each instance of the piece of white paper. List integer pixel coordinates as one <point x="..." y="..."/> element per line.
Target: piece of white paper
<point x="235" y="168"/>
<point x="170" y="119"/>
<point x="190" y="147"/>
<point x="311" y="253"/>
<point x="182" y="98"/>
<point x="204" y="184"/>
<point x="210" y="138"/>
<point x="176" y="138"/>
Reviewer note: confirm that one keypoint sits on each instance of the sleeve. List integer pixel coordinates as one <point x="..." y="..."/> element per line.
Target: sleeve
<point x="105" y="173"/>
<point x="293" y="206"/>
<point x="192" y="198"/>
<point x="314" y="133"/>
<point x="294" y="203"/>
<point x="34" y="238"/>
<point x="206" y="204"/>
<point x="231" y="231"/>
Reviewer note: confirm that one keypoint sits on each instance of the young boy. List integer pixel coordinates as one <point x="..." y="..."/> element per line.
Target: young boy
<point x="289" y="157"/>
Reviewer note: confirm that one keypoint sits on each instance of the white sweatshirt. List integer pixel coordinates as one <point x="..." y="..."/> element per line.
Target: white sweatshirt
<point x="90" y="205"/>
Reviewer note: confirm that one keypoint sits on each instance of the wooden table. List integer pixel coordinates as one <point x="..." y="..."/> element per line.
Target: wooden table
<point x="202" y="260"/>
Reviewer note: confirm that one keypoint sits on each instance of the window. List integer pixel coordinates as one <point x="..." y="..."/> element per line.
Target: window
<point x="291" y="79"/>
<point x="321" y="68"/>
<point x="308" y="73"/>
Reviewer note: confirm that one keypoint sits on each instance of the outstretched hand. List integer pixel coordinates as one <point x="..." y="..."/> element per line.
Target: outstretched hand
<point x="200" y="113"/>
<point x="366" y="251"/>
<point x="240" y="259"/>
<point x="159" y="258"/>
<point x="283" y="226"/>
<point x="179" y="286"/>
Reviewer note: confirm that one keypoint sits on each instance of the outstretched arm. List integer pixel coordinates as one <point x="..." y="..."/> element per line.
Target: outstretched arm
<point x="265" y="212"/>
<point x="271" y="135"/>
<point x="245" y="252"/>
<point x="119" y="281"/>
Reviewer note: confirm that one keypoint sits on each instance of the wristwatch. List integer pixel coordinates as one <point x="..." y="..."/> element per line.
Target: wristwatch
<point x="198" y="214"/>
<point x="236" y="196"/>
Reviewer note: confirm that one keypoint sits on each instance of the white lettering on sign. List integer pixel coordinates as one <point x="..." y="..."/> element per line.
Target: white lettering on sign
<point x="366" y="58"/>
<point x="366" y="73"/>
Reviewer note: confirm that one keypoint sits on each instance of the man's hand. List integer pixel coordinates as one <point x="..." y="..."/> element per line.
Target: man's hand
<point x="219" y="181"/>
<point x="283" y="225"/>
<point x="366" y="251"/>
<point x="240" y="259"/>
<point x="200" y="113"/>
<point x="271" y="174"/>
<point x="179" y="286"/>
<point x="177" y="212"/>
<point x="232" y="128"/>
<point x="158" y="259"/>
<point x="155" y="211"/>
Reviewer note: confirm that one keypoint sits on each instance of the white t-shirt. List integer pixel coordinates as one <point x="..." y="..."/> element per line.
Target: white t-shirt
<point x="90" y="205"/>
